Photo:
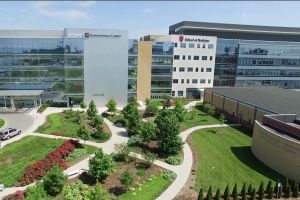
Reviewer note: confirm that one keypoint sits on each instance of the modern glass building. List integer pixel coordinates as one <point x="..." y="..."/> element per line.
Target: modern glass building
<point x="251" y="55"/>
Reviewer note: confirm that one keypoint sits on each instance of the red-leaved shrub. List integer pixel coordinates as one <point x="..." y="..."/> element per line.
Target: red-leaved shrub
<point x="35" y="171"/>
<point x="18" y="195"/>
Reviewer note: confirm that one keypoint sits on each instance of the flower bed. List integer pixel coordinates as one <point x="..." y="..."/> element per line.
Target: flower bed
<point x="37" y="170"/>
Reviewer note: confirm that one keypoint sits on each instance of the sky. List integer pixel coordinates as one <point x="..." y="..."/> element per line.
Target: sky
<point x="144" y="17"/>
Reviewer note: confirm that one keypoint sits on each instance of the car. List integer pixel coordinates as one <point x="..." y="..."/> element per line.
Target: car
<point x="9" y="133"/>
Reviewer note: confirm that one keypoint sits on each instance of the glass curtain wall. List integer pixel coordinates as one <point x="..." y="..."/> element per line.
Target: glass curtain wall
<point x="132" y="67"/>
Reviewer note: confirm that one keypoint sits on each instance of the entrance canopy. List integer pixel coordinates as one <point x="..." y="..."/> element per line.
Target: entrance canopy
<point x="20" y="93"/>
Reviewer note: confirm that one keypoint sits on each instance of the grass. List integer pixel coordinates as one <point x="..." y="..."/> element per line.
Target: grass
<point x="225" y="157"/>
<point x="2" y="122"/>
<point x="149" y="190"/>
<point x="199" y="118"/>
<point x="15" y="157"/>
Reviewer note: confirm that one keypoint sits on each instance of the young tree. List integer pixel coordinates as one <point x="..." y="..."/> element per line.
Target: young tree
<point x="92" y="110"/>
<point x="261" y="191"/>
<point x="126" y="179"/>
<point x="121" y="152"/>
<point x="131" y="114"/>
<point x="148" y="131"/>
<point x="82" y="104"/>
<point x="101" y="165"/>
<point x="222" y="119"/>
<point x="244" y="192"/>
<point x="200" y="194"/>
<point x="54" y="181"/>
<point x="269" y="190"/>
<point x="218" y="195"/>
<point x="151" y="108"/>
<point x="250" y="189"/>
<point x="180" y="111"/>
<point x="97" y="121"/>
<point x="150" y="158"/>
<point x="99" y="193"/>
<point x="253" y="194"/>
<point x="111" y="105"/>
<point x="83" y="133"/>
<point x="295" y="190"/>
<point x="226" y="193"/>
<point x="193" y="112"/>
<point x="169" y="140"/>
<point x="235" y="193"/>
<point x="209" y="194"/>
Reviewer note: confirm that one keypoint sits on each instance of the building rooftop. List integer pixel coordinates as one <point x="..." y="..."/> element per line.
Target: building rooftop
<point x="276" y="100"/>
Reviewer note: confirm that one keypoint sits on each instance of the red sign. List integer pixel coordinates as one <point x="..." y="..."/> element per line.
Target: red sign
<point x="181" y="38"/>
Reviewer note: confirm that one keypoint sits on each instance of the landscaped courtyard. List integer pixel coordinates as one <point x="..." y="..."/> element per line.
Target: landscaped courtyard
<point x="225" y="157"/>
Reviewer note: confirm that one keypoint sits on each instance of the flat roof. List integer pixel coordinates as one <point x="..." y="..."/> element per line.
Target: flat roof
<point x="18" y="93"/>
<point x="276" y="100"/>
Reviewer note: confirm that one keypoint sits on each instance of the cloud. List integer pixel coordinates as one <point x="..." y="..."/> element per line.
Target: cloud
<point x="148" y="10"/>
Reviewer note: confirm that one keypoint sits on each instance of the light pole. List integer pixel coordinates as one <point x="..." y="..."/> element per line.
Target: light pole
<point x="278" y="187"/>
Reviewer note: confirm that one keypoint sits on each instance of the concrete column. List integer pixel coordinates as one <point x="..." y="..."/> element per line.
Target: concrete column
<point x="40" y="101"/>
<point x="4" y="101"/>
<point x="12" y="103"/>
<point x="34" y="103"/>
<point x="68" y="102"/>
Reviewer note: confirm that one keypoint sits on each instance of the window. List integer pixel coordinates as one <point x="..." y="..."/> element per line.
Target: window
<point x="196" y="57"/>
<point x="197" y="69"/>
<point x="202" y="69"/>
<point x="191" y="45"/>
<point x="181" y="69"/>
<point x="176" y="57"/>
<point x="182" y="45"/>
<point x="208" y="81"/>
<point x="202" y="80"/>
<point x="175" y="46"/>
<point x="180" y="93"/>
<point x="175" y="80"/>
<point x="173" y="93"/>
<point x="210" y="58"/>
<point x="204" y="57"/>
<point x="194" y="81"/>
<point x="187" y="80"/>
<point x="190" y="69"/>
<point x="174" y="69"/>
<point x="208" y="69"/>
<point x="210" y="46"/>
<point x="198" y="45"/>
<point x="183" y="57"/>
<point x="182" y="80"/>
<point x="189" y="57"/>
<point x="203" y="46"/>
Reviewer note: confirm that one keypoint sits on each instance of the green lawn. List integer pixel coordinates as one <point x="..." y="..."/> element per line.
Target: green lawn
<point x="199" y="118"/>
<point x="57" y="124"/>
<point x="15" y="157"/>
<point x="149" y="190"/>
<point x="225" y="157"/>
<point x="2" y="122"/>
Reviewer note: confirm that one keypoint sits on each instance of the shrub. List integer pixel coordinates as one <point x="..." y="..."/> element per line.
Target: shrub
<point x="209" y="194"/>
<point x="244" y="192"/>
<point x="250" y="189"/>
<point x="83" y="133"/>
<point x="42" y="108"/>
<point x="54" y="181"/>
<point x="253" y="194"/>
<point x="126" y="178"/>
<point x="140" y="171"/>
<point x="148" y="131"/>
<point x="174" y="160"/>
<point x="82" y="104"/>
<point x="222" y="119"/>
<point x="76" y="190"/>
<point x="295" y="190"/>
<point x="180" y="111"/>
<point x="111" y="105"/>
<point x="92" y="110"/>
<point x="169" y="175"/>
<point x="200" y="194"/>
<point x="150" y="158"/>
<point x="151" y="108"/>
<point x="135" y="140"/>
<point x="37" y="192"/>
<point x="97" y="121"/>
<point x="77" y="153"/>
<point x="226" y="193"/>
<point x="269" y="190"/>
<point x="99" y="193"/>
<point x="101" y="165"/>
<point x="209" y="109"/>
<point x="121" y="152"/>
<point x="287" y="192"/>
<point x="218" y="195"/>
<point x="261" y="191"/>
<point x="18" y="195"/>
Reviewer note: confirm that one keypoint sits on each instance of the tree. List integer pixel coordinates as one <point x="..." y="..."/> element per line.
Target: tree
<point x="218" y="195"/>
<point x="131" y="114"/>
<point x="82" y="104"/>
<point x="287" y="192"/>
<point x="151" y="108"/>
<point x="235" y="193"/>
<point x="295" y="190"/>
<point x="250" y="189"/>
<point x="121" y="152"/>
<point x="54" y="181"/>
<point x="148" y="131"/>
<point x="97" y="121"/>
<point x="222" y="119"/>
<point x="209" y="109"/>
<point x="180" y="111"/>
<point x="111" y="105"/>
<point x="169" y="140"/>
<point x="200" y="194"/>
<point x="92" y="110"/>
<point x="126" y="179"/>
<point x="99" y="193"/>
<point x="226" y="193"/>
<point x="269" y="190"/>
<point x="193" y="112"/>
<point x="209" y="194"/>
<point x="261" y="191"/>
<point x="101" y="165"/>
<point x="244" y="192"/>
<point x="253" y="194"/>
<point x="83" y="133"/>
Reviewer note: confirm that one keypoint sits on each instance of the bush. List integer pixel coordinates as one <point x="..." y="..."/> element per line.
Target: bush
<point x="261" y="191"/>
<point x="148" y="131"/>
<point x="135" y="140"/>
<point x="180" y="111"/>
<point x="37" y="192"/>
<point x="169" y="175"/>
<point x="295" y="190"/>
<point x="82" y="104"/>
<point x="218" y="195"/>
<point x="235" y="193"/>
<point x="99" y="193"/>
<point x="253" y="194"/>
<point x="200" y="194"/>
<point x="269" y="190"/>
<point x="101" y="165"/>
<point x="287" y="192"/>
<point x="250" y="189"/>
<point x="140" y="171"/>
<point x="174" y="160"/>
<point x="151" y="108"/>
<point x="121" y="152"/>
<point x="209" y="109"/>
<point x="244" y="192"/>
<point x="83" y="133"/>
<point x="42" y="108"/>
<point x="150" y="158"/>
<point x="126" y="179"/>
<point x="111" y="105"/>
<point x="77" y="153"/>
<point x="97" y="121"/>
<point x="209" y="194"/>
<point x="18" y="195"/>
<point x="54" y="181"/>
<point x="226" y="193"/>
<point x="92" y="110"/>
<point x="76" y="190"/>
